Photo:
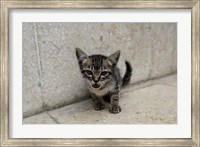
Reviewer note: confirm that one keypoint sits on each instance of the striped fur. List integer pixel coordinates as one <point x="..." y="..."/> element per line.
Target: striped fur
<point x="103" y="78"/>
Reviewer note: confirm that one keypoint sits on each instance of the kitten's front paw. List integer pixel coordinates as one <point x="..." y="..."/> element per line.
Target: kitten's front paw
<point x="115" y="109"/>
<point x="99" y="106"/>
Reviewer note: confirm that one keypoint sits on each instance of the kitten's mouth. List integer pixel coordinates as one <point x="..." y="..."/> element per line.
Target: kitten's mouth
<point x="96" y="86"/>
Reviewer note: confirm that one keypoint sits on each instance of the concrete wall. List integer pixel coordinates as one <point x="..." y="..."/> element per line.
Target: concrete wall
<point x="51" y="76"/>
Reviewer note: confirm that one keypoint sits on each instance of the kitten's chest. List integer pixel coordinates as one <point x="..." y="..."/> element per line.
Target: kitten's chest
<point x="102" y="92"/>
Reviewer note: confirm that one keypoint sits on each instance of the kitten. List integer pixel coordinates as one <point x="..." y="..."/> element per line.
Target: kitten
<point x="103" y="78"/>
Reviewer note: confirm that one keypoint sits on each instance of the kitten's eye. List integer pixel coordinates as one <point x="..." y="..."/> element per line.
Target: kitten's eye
<point x="104" y="73"/>
<point x="88" y="72"/>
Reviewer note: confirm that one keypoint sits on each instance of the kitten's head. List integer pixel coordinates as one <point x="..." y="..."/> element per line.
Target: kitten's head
<point x="97" y="69"/>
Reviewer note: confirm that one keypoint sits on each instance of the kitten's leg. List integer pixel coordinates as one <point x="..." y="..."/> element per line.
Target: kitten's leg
<point x="98" y="102"/>
<point x="114" y="103"/>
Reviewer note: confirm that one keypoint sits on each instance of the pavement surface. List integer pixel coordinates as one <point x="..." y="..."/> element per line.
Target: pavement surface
<point x="149" y="102"/>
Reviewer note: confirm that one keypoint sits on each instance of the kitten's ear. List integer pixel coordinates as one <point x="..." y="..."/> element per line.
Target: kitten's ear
<point x="113" y="59"/>
<point x="81" y="56"/>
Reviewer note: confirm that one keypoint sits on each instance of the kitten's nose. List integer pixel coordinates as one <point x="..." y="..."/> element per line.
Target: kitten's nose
<point x="96" y="81"/>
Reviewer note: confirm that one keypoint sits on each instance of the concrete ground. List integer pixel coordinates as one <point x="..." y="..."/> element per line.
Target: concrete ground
<point x="150" y="102"/>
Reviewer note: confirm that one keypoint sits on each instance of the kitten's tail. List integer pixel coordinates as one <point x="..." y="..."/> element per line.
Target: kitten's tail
<point x="128" y="74"/>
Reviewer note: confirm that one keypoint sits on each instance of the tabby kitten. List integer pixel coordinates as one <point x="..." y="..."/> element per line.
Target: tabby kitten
<point x="103" y="78"/>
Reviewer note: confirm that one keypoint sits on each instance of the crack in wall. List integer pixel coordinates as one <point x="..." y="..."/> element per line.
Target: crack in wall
<point x="151" y="51"/>
<point x="39" y="62"/>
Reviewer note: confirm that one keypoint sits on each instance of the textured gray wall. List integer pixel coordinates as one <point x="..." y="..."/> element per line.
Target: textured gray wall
<point x="51" y="76"/>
